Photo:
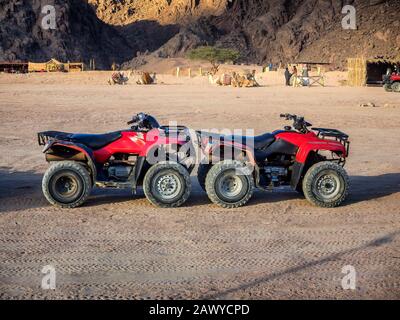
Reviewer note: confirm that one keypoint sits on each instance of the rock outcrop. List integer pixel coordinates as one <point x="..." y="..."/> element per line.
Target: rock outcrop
<point x="79" y="34"/>
<point x="262" y="30"/>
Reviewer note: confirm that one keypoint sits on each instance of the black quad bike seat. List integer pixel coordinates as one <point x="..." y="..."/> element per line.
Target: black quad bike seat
<point x="95" y="141"/>
<point x="257" y="142"/>
<point x="260" y="142"/>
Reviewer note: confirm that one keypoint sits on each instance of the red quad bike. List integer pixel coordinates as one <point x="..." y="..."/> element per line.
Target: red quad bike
<point x="391" y="82"/>
<point x="309" y="161"/>
<point x="121" y="159"/>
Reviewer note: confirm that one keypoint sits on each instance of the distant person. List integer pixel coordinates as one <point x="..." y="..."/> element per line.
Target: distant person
<point x="305" y="72"/>
<point x="270" y="66"/>
<point x="305" y="76"/>
<point x="288" y="75"/>
<point x="154" y="77"/>
<point x="294" y="71"/>
<point x="251" y="77"/>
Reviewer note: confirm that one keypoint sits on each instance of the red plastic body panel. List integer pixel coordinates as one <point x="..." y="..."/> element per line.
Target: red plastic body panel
<point x="310" y="142"/>
<point x="395" y="77"/>
<point x="135" y="143"/>
<point x="305" y="142"/>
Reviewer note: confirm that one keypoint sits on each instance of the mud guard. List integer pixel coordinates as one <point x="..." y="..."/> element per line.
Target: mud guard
<point x="304" y="158"/>
<point x="297" y="172"/>
<point x="139" y="170"/>
<point x="327" y="145"/>
<point x="80" y="148"/>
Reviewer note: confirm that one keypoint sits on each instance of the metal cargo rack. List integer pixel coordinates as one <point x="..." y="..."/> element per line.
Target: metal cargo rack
<point x="333" y="134"/>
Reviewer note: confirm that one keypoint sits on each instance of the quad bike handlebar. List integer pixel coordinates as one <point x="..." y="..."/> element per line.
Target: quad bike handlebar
<point x="298" y="122"/>
<point x="143" y="122"/>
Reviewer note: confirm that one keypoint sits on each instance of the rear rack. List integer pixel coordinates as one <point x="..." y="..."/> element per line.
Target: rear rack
<point x="46" y="136"/>
<point x="333" y="134"/>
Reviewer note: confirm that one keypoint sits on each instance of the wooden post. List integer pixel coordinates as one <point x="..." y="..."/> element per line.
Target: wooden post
<point x="190" y="73"/>
<point x="178" y="71"/>
<point x="200" y="71"/>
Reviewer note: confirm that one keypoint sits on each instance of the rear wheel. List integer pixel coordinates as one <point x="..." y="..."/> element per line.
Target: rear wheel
<point x="67" y="184"/>
<point x="396" y="87"/>
<point x="326" y="184"/>
<point x="167" y="185"/>
<point x="229" y="185"/>
<point x="388" y="87"/>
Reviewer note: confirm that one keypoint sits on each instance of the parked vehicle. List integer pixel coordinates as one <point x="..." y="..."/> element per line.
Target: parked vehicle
<point x="391" y="81"/>
<point x="118" y="159"/>
<point x="310" y="161"/>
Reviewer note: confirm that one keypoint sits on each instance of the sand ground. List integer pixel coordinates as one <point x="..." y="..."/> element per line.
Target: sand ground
<point x="119" y="246"/>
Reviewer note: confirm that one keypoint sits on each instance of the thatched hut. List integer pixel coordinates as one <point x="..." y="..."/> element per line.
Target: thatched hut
<point x="362" y="71"/>
<point x="54" y="65"/>
<point x="37" y="67"/>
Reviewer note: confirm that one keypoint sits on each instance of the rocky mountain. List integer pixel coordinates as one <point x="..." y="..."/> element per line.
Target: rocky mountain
<point x="294" y="30"/>
<point x="123" y="12"/>
<point x="79" y="34"/>
<point x="262" y="30"/>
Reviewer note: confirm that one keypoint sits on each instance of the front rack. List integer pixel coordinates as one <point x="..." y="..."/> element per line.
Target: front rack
<point x="176" y="131"/>
<point x="334" y="134"/>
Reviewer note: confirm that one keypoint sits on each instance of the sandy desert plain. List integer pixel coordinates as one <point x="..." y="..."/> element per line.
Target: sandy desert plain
<point x="117" y="245"/>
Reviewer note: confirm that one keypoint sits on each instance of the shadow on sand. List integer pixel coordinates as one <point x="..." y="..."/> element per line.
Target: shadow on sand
<point x="273" y="276"/>
<point x="362" y="188"/>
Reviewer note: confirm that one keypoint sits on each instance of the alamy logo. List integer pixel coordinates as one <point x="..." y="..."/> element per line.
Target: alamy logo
<point x="349" y="280"/>
<point x="49" y="20"/>
<point x="349" y="21"/>
<point x="49" y="279"/>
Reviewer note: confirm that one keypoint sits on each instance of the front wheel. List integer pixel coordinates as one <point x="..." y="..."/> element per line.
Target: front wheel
<point x="229" y="184"/>
<point x="326" y="184"/>
<point x="388" y="87"/>
<point x="67" y="184"/>
<point x="396" y="87"/>
<point x="167" y="184"/>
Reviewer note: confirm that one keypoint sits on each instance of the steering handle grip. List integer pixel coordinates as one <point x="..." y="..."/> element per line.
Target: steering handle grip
<point x="134" y="120"/>
<point x="287" y="116"/>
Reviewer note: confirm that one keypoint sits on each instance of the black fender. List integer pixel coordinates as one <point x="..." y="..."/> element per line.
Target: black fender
<point x="297" y="174"/>
<point x="140" y="170"/>
<point x="52" y="154"/>
<point x="300" y="169"/>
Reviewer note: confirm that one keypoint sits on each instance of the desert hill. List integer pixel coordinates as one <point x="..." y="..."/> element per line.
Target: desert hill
<point x="262" y="30"/>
